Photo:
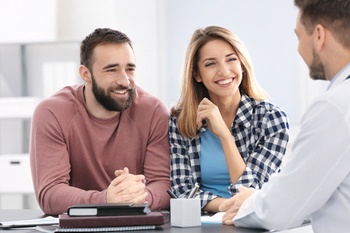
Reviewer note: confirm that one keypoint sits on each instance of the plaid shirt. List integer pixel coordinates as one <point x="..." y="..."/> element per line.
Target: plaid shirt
<point x="260" y="130"/>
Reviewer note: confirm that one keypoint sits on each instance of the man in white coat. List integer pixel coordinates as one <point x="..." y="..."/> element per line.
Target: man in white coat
<point x="315" y="182"/>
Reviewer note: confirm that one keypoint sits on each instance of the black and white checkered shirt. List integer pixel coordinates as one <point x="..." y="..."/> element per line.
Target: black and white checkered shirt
<point x="260" y="130"/>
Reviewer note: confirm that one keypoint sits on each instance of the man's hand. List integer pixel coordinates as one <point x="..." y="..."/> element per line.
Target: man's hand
<point x="232" y="205"/>
<point x="127" y="188"/>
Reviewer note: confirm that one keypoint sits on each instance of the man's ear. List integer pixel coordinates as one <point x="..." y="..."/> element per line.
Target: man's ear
<point x="319" y="36"/>
<point x="85" y="73"/>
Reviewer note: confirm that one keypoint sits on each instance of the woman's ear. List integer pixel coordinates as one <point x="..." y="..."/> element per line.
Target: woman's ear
<point x="85" y="73"/>
<point x="197" y="77"/>
<point x="243" y="69"/>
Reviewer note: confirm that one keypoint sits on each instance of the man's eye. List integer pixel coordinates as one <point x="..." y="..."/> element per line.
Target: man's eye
<point x="111" y="70"/>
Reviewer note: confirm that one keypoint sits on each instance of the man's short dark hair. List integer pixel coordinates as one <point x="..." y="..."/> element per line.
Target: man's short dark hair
<point x="332" y="14"/>
<point x="100" y="36"/>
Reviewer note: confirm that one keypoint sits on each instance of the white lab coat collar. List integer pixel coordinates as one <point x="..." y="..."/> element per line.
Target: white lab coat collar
<point x="340" y="76"/>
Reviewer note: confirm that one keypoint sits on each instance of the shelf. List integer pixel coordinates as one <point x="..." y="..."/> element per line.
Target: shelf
<point x="17" y="107"/>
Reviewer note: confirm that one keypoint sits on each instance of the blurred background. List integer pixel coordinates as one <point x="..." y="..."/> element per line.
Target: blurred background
<point x="39" y="54"/>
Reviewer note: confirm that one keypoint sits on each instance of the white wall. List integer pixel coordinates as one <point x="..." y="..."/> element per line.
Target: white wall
<point x="27" y="21"/>
<point x="19" y="24"/>
<point x="267" y="29"/>
<point x="160" y="31"/>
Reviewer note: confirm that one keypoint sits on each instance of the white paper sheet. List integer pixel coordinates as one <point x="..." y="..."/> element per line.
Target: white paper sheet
<point x="29" y="223"/>
<point x="215" y="219"/>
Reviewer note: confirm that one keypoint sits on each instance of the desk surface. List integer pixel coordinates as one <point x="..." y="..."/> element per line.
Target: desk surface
<point x="13" y="215"/>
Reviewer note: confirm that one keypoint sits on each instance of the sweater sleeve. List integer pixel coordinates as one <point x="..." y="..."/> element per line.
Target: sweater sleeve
<point x="157" y="160"/>
<point x="50" y="166"/>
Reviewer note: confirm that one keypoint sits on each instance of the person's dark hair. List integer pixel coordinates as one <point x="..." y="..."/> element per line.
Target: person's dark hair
<point x="100" y="36"/>
<point x="332" y="14"/>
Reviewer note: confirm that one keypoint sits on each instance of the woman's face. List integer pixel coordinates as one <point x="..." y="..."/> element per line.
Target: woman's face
<point x="220" y="69"/>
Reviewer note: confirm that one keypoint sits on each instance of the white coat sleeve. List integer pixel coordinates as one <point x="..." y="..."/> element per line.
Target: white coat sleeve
<point x="317" y="166"/>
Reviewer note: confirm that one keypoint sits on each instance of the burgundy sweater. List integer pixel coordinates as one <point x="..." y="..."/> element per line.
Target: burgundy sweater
<point x="74" y="154"/>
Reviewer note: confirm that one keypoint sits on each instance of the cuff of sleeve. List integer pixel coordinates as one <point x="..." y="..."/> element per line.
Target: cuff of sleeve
<point x="206" y="197"/>
<point x="247" y="179"/>
<point x="98" y="197"/>
<point x="104" y="200"/>
<point x="149" y="198"/>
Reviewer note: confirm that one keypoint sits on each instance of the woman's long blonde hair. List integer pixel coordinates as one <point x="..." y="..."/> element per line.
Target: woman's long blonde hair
<point x="192" y="92"/>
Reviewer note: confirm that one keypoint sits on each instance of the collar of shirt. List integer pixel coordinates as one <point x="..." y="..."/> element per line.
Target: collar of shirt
<point x="340" y="76"/>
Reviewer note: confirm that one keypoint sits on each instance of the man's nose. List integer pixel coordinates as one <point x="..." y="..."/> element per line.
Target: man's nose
<point x="123" y="79"/>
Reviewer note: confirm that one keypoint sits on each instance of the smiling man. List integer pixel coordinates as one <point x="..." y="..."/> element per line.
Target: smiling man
<point x="105" y="141"/>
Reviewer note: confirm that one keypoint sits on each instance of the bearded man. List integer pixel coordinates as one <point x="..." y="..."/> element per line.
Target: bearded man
<point x="105" y="141"/>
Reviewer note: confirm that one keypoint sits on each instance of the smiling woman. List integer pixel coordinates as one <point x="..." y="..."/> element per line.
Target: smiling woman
<point x="223" y="134"/>
<point x="220" y="71"/>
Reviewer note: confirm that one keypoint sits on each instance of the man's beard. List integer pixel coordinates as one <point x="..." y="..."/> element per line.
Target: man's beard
<point x="317" y="68"/>
<point x="107" y="101"/>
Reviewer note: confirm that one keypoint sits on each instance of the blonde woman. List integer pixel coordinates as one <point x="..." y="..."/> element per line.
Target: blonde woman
<point x="223" y="132"/>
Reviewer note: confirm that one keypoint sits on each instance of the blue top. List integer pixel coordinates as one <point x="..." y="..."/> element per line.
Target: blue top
<point x="215" y="174"/>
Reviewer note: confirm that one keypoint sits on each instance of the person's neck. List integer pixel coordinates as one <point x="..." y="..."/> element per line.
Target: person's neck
<point x="228" y="107"/>
<point x="335" y="58"/>
<point x="336" y="68"/>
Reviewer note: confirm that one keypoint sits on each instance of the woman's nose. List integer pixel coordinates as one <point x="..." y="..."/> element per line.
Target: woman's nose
<point x="223" y="69"/>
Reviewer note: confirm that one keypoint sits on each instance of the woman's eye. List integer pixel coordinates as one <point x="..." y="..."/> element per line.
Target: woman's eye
<point x="232" y="59"/>
<point x="209" y="64"/>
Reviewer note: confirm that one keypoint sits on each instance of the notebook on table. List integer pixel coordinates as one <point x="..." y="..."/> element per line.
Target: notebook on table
<point x="147" y="221"/>
<point x="104" y="229"/>
<point x="56" y="229"/>
<point x="108" y="209"/>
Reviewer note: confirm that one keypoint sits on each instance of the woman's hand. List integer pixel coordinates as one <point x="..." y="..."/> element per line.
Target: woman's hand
<point x="210" y="112"/>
